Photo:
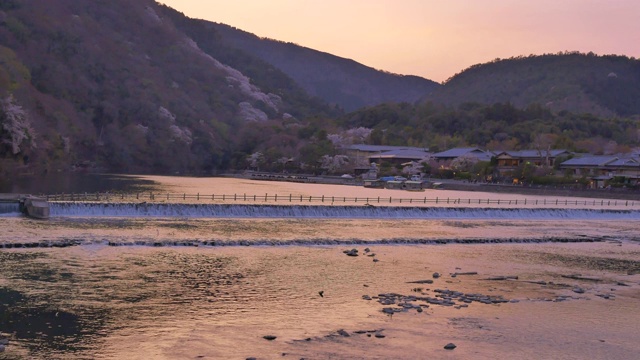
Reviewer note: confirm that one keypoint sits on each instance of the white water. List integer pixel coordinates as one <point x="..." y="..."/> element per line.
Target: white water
<point x="9" y="209"/>
<point x="72" y="209"/>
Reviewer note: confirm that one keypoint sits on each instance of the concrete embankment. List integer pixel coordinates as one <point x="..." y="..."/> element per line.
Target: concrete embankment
<point x="29" y="205"/>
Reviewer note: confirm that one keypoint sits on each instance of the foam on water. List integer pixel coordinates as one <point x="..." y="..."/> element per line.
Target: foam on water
<point x="148" y="210"/>
<point x="9" y="209"/>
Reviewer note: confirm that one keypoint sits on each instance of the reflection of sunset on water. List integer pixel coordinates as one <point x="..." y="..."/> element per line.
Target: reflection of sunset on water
<point x="165" y="287"/>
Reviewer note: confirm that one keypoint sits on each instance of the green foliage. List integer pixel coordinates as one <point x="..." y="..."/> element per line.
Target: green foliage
<point x="7" y="5"/>
<point x="581" y="83"/>
<point x="111" y="86"/>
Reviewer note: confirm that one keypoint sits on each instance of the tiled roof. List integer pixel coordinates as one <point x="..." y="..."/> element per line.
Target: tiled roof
<point x="457" y="152"/>
<point x="628" y="162"/>
<point x="381" y="148"/>
<point x="478" y="153"/>
<point x="402" y="154"/>
<point x="590" y="161"/>
<point x="532" y="153"/>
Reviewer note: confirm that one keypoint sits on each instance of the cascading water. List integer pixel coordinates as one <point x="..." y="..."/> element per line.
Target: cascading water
<point x="75" y="209"/>
<point x="9" y="209"/>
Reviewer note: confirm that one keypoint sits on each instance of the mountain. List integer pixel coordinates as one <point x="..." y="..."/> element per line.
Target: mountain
<point x="581" y="83"/>
<point x="134" y="86"/>
<point x="339" y="81"/>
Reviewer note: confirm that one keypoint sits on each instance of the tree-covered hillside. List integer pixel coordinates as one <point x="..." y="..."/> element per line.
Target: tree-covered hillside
<point x="343" y="82"/>
<point x="118" y="84"/>
<point x="500" y="126"/>
<point x="133" y="86"/>
<point x="581" y="83"/>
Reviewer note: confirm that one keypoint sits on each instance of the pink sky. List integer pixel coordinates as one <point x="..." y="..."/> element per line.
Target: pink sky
<point x="434" y="39"/>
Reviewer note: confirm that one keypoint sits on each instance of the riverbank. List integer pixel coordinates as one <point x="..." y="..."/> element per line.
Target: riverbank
<point x="540" y="190"/>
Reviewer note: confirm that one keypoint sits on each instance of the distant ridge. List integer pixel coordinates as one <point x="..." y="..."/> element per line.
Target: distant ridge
<point x="581" y="83"/>
<point x="337" y="80"/>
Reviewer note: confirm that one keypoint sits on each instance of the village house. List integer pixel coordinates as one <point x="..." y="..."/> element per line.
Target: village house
<point x="400" y="156"/>
<point x="507" y="161"/>
<point x="379" y="153"/>
<point x="604" y="168"/>
<point x="444" y="158"/>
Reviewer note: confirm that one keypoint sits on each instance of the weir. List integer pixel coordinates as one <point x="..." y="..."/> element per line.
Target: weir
<point x="154" y="210"/>
<point x="32" y="206"/>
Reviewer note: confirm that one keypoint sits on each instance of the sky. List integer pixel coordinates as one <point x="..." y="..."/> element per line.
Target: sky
<point x="434" y="39"/>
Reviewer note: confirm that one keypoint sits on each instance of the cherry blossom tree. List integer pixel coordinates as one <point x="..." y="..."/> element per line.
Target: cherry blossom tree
<point x="16" y="129"/>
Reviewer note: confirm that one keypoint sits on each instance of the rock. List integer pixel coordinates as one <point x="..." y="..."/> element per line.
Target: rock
<point x="421" y="282"/>
<point x="2" y="347"/>
<point x="367" y="250"/>
<point x="388" y="310"/>
<point x="251" y="358"/>
<point x="270" y="337"/>
<point x="498" y="278"/>
<point x="578" y="290"/>
<point x="450" y="346"/>
<point x="321" y="293"/>
<point x="379" y="336"/>
<point x="436" y="275"/>
<point x="580" y="277"/>
<point x="342" y="332"/>
<point x="352" y="252"/>
<point x="374" y="260"/>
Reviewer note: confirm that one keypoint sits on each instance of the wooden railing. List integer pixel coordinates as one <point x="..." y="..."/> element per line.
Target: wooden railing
<point x="335" y="200"/>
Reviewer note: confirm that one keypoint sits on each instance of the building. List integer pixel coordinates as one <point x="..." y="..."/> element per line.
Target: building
<point x="366" y="154"/>
<point x="508" y="161"/>
<point x="603" y="169"/>
<point x="451" y="154"/>
<point x="400" y="156"/>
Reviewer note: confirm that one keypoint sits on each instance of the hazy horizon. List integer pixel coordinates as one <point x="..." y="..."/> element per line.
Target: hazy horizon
<point x="428" y="38"/>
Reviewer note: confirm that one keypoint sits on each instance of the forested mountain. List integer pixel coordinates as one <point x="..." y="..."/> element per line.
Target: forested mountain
<point x="339" y="81"/>
<point x="580" y="83"/>
<point x="134" y="86"/>
<point x="112" y="81"/>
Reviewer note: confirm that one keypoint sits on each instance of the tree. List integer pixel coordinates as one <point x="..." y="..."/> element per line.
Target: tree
<point x="16" y="130"/>
<point x="255" y="160"/>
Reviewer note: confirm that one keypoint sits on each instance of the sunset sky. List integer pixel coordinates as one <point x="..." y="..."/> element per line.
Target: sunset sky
<point x="432" y="38"/>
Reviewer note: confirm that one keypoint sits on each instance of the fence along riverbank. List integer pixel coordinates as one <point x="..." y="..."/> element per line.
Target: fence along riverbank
<point x="345" y="200"/>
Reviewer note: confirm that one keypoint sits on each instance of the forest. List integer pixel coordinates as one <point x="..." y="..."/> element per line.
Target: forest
<point x="136" y="87"/>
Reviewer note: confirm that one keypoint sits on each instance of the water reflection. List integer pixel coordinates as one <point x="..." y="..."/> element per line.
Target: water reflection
<point x="95" y="301"/>
<point x="71" y="182"/>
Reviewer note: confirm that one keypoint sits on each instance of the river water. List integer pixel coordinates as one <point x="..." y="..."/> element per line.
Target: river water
<point x="210" y="280"/>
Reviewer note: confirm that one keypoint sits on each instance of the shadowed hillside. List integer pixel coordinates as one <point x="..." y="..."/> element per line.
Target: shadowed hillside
<point x="581" y="83"/>
<point x="116" y="83"/>
<point x="337" y="80"/>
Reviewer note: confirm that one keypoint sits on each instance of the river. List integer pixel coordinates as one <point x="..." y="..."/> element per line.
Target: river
<point x="209" y="280"/>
